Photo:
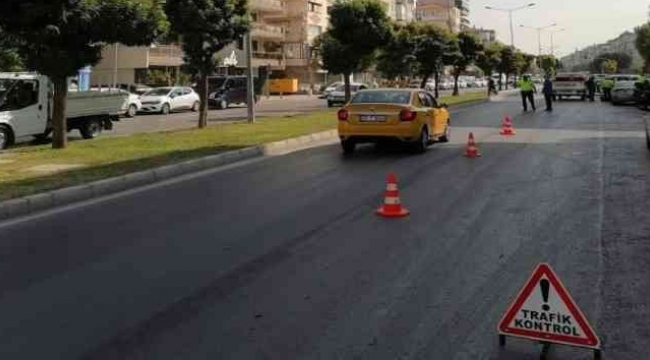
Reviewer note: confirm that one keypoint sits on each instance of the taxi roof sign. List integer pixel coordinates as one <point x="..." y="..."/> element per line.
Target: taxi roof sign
<point x="543" y="310"/>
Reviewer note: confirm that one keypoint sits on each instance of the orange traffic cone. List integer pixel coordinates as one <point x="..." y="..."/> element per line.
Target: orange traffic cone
<point x="506" y="128"/>
<point x="471" y="151"/>
<point x="392" y="207"/>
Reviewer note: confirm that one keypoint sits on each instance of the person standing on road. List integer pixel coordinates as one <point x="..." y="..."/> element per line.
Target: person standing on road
<point x="547" y="90"/>
<point x="528" y="90"/>
<point x="608" y="85"/>
<point x="591" y="88"/>
<point x="492" y="87"/>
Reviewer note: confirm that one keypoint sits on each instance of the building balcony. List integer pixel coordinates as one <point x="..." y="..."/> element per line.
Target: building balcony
<point x="273" y="59"/>
<point x="270" y="6"/>
<point x="265" y="31"/>
<point x="165" y="55"/>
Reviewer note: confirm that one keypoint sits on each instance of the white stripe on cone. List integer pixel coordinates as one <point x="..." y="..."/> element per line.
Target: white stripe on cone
<point x="391" y="187"/>
<point x="391" y="201"/>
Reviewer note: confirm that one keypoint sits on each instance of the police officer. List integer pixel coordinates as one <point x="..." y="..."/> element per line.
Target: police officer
<point x="528" y="90"/>
<point x="608" y="85"/>
<point x="547" y="90"/>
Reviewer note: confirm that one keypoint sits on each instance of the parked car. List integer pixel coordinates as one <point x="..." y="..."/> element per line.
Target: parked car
<point x="570" y="84"/>
<point x="329" y="88"/>
<point x="337" y="97"/>
<point x="131" y="105"/>
<point x="624" y="89"/>
<point x="226" y="90"/>
<point x="446" y="85"/>
<point x="408" y="115"/>
<point x="430" y="86"/>
<point x="164" y="100"/>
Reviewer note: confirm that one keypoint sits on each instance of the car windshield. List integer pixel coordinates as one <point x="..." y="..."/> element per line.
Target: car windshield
<point x="158" y="92"/>
<point x="353" y="88"/>
<point x="5" y="86"/>
<point x="215" y="83"/>
<point x="382" y="97"/>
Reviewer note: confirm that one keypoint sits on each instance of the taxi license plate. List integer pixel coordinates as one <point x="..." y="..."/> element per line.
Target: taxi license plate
<point x="372" y="118"/>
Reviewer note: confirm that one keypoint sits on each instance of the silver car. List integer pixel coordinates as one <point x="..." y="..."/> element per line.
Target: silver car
<point x="623" y="91"/>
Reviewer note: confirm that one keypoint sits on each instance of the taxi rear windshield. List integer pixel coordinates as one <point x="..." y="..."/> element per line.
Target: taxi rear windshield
<point x="382" y="97"/>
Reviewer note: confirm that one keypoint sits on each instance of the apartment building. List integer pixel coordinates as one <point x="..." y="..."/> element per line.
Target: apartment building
<point x="405" y="10"/>
<point x="486" y="35"/>
<point x="440" y="12"/>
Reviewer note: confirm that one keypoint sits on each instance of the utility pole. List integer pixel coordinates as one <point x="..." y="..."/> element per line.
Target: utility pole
<point x="115" y="67"/>
<point x="552" y="43"/>
<point x="250" y="84"/>
<point x="510" y="11"/>
<point x="539" y="35"/>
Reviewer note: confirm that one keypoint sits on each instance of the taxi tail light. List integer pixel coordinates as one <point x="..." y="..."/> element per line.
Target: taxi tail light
<point x="407" y="115"/>
<point x="343" y="115"/>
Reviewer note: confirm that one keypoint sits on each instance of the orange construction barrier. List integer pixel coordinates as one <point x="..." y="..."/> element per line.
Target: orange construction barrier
<point x="471" y="151"/>
<point x="506" y="128"/>
<point x="392" y="207"/>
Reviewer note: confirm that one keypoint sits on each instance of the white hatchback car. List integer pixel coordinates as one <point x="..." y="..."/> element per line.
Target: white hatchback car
<point x="167" y="99"/>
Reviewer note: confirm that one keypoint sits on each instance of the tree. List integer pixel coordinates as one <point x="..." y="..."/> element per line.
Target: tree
<point x="470" y="48"/>
<point x="10" y="60"/>
<point x="549" y="64"/>
<point x="432" y="47"/>
<point x="623" y="60"/>
<point x="358" y="28"/>
<point x="523" y="62"/>
<point x="206" y="27"/>
<point x="610" y="66"/>
<point x="642" y="43"/>
<point x="396" y="58"/>
<point x="59" y="37"/>
<point x="488" y="61"/>
<point x="507" y="65"/>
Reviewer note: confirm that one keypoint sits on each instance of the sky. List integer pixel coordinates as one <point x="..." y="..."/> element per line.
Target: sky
<point x="586" y="22"/>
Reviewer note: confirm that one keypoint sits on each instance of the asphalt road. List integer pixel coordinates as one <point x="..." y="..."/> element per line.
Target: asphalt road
<point x="285" y="259"/>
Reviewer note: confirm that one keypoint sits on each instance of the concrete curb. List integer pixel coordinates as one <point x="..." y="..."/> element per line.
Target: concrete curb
<point x="70" y="195"/>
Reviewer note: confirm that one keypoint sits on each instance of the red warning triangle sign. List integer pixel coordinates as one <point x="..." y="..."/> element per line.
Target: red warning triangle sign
<point x="545" y="311"/>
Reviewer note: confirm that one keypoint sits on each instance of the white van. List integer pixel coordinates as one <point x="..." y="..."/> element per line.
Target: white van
<point x="567" y="85"/>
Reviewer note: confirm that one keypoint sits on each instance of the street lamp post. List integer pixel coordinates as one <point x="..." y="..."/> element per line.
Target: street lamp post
<point x="539" y="35"/>
<point x="553" y="44"/>
<point x="510" y="11"/>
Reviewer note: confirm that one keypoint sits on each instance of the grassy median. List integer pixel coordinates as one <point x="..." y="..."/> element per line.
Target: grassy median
<point x="32" y="169"/>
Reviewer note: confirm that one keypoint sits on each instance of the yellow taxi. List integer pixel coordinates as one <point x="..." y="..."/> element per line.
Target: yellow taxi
<point x="410" y="115"/>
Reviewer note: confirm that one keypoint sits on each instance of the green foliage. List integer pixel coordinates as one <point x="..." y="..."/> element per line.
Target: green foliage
<point x="435" y="47"/>
<point x="396" y="58"/>
<point x="549" y="64"/>
<point x="643" y="43"/>
<point x="508" y="63"/>
<point x="523" y="62"/>
<point x="206" y="27"/>
<point x="10" y="60"/>
<point x="357" y="29"/>
<point x="58" y="37"/>
<point x="622" y="59"/>
<point x="490" y="58"/>
<point x="470" y="48"/>
<point x="610" y="66"/>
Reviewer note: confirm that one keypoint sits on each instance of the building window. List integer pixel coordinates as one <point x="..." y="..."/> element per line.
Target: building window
<point x="313" y="7"/>
<point x="255" y="45"/>
<point x="240" y="44"/>
<point x="313" y="31"/>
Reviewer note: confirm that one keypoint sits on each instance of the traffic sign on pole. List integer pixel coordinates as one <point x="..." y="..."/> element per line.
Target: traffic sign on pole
<point x="545" y="311"/>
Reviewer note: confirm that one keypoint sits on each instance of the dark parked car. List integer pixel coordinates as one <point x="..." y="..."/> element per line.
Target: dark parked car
<point x="226" y="90"/>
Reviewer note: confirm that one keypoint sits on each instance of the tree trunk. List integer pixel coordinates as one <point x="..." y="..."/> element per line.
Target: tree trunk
<point x="59" y="124"/>
<point x="437" y="78"/>
<point x="346" y="81"/>
<point x="423" y="84"/>
<point x="203" y="95"/>
<point x="500" y="81"/>
<point x="507" y="78"/>
<point x="456" y="76"/>
<point x="647" y="67"/>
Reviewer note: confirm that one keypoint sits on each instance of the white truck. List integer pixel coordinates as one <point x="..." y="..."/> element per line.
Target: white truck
<point x="26" y="108"/>
<point x="566" y="85"/>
